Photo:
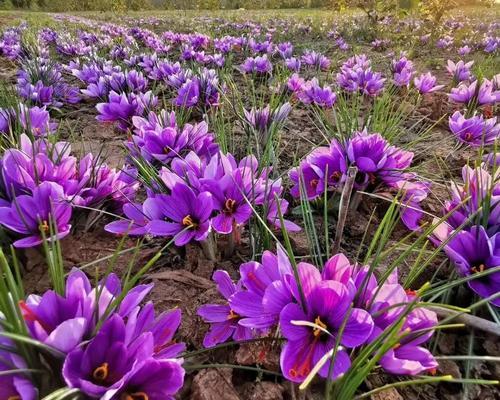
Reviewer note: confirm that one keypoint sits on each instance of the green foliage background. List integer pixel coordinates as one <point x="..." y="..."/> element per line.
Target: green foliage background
<point x="135" y="5"/>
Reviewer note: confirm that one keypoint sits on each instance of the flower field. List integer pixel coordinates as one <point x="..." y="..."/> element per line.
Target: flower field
<point x="261" y="205"/>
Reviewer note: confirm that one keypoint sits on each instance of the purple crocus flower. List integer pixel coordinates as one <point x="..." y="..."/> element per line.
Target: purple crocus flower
<point x="267" y="291"/>
<point x="135" y="224"/>
<point x="311" y="334"/>
<point x="285" y="49"/>
<point x="313" y="93"/>
<point x="473" y="252"/>
<point x="315" y="59"/>
<point x="368" y="153"/>
<point x="295" y="84"/>
<point x="464" y="93"/>
<point x="228" y="196"/>
<point x="293" y="64"/>
<point x="478" y="197"/>
<point x="474" y="94"/>
<point x="426" y="83"/>
<point x="36" y="120"/>
<point x="386" y="303"/>
<point x="14" y="386"/>
<point x="114" y="362"/>
<point x="464" y="50"/>
<point x="64" y="322"/>
<point x="409" y="357"/>
<point x="189" y="93"/>
<point x="324" y="167"/>
<point x="259" y="65"/>
<point x="475" y="131"/>
<point x="153" y="379"/>
<point x="460" y="71"/>
<point x="223" y="320"/>
<point x="190" y="215"/>
<point x="262" y="121"/>
<point x="119" y="108"/>
<point x="30" y="215"/>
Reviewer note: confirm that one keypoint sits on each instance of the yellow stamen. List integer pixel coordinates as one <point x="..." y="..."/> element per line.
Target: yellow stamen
<point x="44" y="226"/>
<point x="336" y="176"/>
<point x="229" y="206"/>
<point x="476" y="270"/>
<point x="188" y="222"/>
<point x="232" y="315"/>
<point x="317" y="331"/>
<point x="14" y="398"/>
<point x="101" y="373"/>
<point x="134" y="396"/>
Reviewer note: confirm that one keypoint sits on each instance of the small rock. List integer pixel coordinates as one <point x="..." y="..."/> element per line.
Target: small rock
<point x="264" y="354"/>
<point x="214" y="384"/>
<point x="388" y="394"/>
<point x="492" y="346"/>
<point x="263" y="391"/>
<point x="446" y="343"/>
<point x="300" y="243"/>
<point x="448" y="367"/>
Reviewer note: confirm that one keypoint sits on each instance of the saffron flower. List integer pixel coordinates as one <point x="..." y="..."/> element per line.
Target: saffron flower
<point x="113" y="363"/>
<point x="386" y="302"/>
<point x="474" y="211"/>
<point x="222" y="318"/>
<point x="313" y="333"/>
<point x="475" y="131"/>
<point x="426" y="83"/>
<point x="402" y="70"/>
<point x="474" y="94"/>
<point x="262" y="121"/>
<point x="460" y="71"/>
<point x="259" y="65"/>
<point x="33" y="215"/>
<point x="135" y="223"/>
<point x="315" y="59"/>
<point x="64" y="322"/>
<point x="190" y="215"/>
<point x="153" y="379"/>
<point x="14" y="385"/>
<point x="474" y="251"/>
<point x="313" y="93"/>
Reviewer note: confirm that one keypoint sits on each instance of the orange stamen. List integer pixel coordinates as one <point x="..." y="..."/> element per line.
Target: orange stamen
<point x="188" y="222"/>
<point x="101" y="373"/>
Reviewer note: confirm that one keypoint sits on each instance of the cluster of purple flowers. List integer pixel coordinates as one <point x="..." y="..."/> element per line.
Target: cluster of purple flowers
<point x="40" y="82"/>
<point x="356" y="75"/>
<point x="311" y="92"/>
<point x="474" y="94"/>
<point x="41" y="182"/>
<point x="475" y="131"/>
<point x="123" y="107"/>
<point x="402" y="70"/>
<point x="158" y="138"/>
<point x="210" y="190"/>
<point x="205" y="193"/>
<point x="262" y="121"/>
<point x="473" y="228"/>
<point x="32" y="120"/>
<point x="10" y="42"/>
<point x="342" y="304"/>
<point x="107" y="349"/>
<point x="203" y="90"/>
<point x="259" y="65"/>
<point x="380" y="167"/>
